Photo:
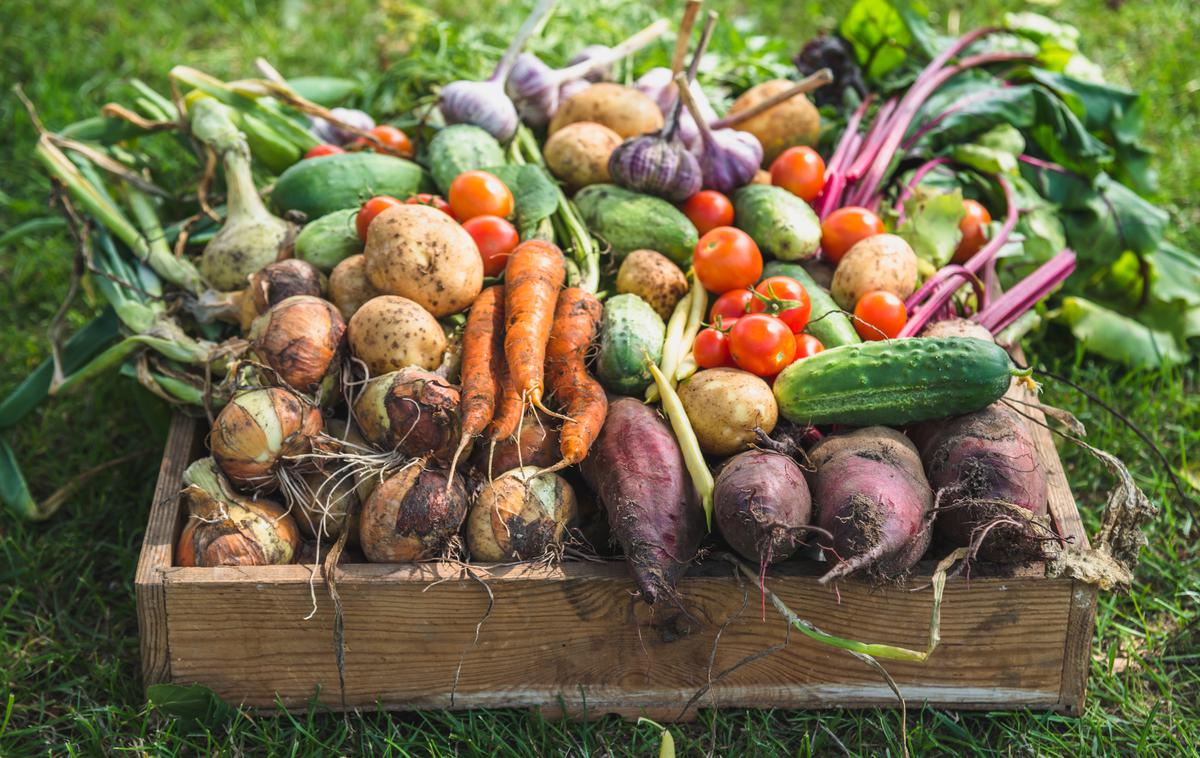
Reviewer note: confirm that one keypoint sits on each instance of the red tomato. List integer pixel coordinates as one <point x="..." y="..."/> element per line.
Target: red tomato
<point x="807" y="346"/>
<point x="323" y="150"/>
<point x="879" y="315"/>
<point x="495" y="238"/>
<point x="731" y="306"/>
<point x="727" y="259"/>
<point x="433" y="201"/>
<point x="370" y="210"/>
<point x="761" y="344"/>
<point x="801" y="171"/>
<point x="478" y="193"/>
<point x="974" y="231"/>
<point x="708" y="209"/>
<point x="711" y="348"/>
<point x="781" y="292"/>
<point x="845" y="226"/>
<point x="391" y="140"/>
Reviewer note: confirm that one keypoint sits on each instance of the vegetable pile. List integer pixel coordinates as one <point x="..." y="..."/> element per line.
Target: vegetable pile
<point x="575" y="310"/>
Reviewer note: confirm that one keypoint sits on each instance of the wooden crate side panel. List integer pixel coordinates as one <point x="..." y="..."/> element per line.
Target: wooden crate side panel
<point x="582" y="642"/>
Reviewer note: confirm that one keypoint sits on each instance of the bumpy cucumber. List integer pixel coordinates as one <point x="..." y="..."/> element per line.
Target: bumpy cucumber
<point x="783" y="225"/>
<point x="895" y="382"/>
<point x="631" y="221"/>
<point x="320" y="186"/>
<point x="826" y="321"/>
<point x="459" y="148"/>
<point x="629" y="331"/>
<point x="329" y="240"/>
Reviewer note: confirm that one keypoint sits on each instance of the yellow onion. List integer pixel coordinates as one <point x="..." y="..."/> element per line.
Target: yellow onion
<point x="274" y="283"/>
<point x="410" y="410"/>
<point x="225" y="528"/>
<point x="331" y="497"/>
<point x="302" y="338"/>
<point x="257" y="430"/>
<point x="413" y="515"/>
<point x="520" y="516"/>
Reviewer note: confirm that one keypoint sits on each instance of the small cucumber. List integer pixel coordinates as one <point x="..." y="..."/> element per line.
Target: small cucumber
<point x="827" y="322"/>
<point x="630" y="221"/>
<point x="895" y="382"/>
<point x="459" y="148"/>
<point x="783" y="225"/>
<point x="329" y="240"/>
<point x="319" y="186"/>
<point x="325" y="90"/>
<point x="629" y="330"/>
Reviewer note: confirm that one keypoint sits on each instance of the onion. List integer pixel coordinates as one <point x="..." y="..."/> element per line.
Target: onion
<point x="257" y="430"/>
<point x="303" y="339"/>
<point x="226" y="528"/>
<point x="520" y="516"/>
<point x="413" y="515"/>
<point x="412" y="411"/>
<point x="331" y="497"/>
<point x="275" y="283"/>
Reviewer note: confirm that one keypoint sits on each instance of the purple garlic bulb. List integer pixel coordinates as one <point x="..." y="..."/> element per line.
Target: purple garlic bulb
<point x="332" y="134"/>
<point x="655" y="165"/>
<point x="601" y="52"/>
<point x="730" y="159"/>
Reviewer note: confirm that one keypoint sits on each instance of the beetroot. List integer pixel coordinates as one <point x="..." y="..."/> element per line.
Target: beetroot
<point x="636" y="468"/>
<point x="762" y="505"/>
<point x="871" y="495"/>
<point x="983" y="467"/>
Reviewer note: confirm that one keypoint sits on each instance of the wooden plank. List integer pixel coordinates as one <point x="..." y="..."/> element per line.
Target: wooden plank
<point x="157" y="552"/>
<point x="1077" y="654"/>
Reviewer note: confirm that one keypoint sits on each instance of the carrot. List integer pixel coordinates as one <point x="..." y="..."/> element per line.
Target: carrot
<point x="483" y="343"/>
<point x="508" y="411"/>
<point x="533" y="277"/>
<point x="576" y="392"/>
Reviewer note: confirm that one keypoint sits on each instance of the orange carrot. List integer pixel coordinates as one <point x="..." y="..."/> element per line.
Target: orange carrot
<point x="534" y="275"/>
<point x="483" y="352"/>
<point x="575" y="391"/>
<point x="508" y="406"/>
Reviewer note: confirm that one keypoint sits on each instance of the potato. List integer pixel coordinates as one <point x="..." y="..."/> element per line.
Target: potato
<point x="725" y="405"/>
<point x="881" y="262"/>
<point x="578" y="153"/>
<point x="654" y="278"/>
<point x="762" y="176"/>
<point x="792" y="122"/>
<point x="625" y="110"/>
<point x="390" y="332"/>
<point x="419" y="252"/>
<point x="348" y="285"/>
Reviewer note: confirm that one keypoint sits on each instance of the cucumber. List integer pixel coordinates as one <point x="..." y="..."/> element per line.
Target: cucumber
<point x="630" y="221"/>
<point x="329" y="240"/>
<point x="629" y="331"/>
<point x="459" y="148"/>
<point x="319" y="186"/>
<point x="325" y="90"/>
<point x="827" y="322"/>
<point x="783" y="225"/>
<point x="895" y="382"/>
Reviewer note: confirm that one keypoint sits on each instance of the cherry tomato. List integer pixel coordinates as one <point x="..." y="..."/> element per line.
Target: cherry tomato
<point x="731" y="306"/>
<point x="708" y="209"/>
<point x="322" y="150"/>
<point x="478" y="193"/>
<point x="879" y="315"/>
<point x="807" y="346"/>
<point x="391" y="140"/>
<point x="727" y="259"/>
<point x="780" y="292"/>
<point x="761" y="344"/>
<point x="974" y="231"/>
<point x="495" y="239"/>
<point x="433" y="201"/>
<point x="801" y="171"/>
<point x="845" y="226"/>
<point x="711" y="348"/>
<point x="370" y="210"/>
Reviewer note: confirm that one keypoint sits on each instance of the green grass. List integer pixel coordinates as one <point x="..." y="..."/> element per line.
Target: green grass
<point x="68" y="633"/>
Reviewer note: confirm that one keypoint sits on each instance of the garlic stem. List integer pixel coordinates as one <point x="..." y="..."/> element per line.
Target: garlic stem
<point x="613" y="54"/>
<point x="684" y="36"/>
<point x="536" y="16"/>
<point x="814" y="81"/>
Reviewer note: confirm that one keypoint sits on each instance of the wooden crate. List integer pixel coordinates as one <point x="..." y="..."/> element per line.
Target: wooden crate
<point x="573" y="639"/>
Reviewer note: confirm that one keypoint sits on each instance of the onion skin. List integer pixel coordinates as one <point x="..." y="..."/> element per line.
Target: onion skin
<point x="412" y="516"/>
<point x="257" y="429"/>
<point x="275" y="283"/>
<point x="412" y="411"/>
<point x="235" y="531"/>
<point x="520" y="516"/>
<point x="303" y="338"/>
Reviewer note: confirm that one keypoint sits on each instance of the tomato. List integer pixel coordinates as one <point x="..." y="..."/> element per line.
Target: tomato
<point x="727" y="259"/>
<point x="879" y="315"/>
<point x="801" y="171"/>
<point x="807" y="346"/>
<point x="761" y="344"/>
<point x="433" y="201"/>
<point x="370" y="210"/>
<point x="322" y="150"/>
<point x="731" y="306"/>
<point x="845" y="226"/>
<point x="495" y="239"/>
<point x="974" y="231"/>
<point x="391" y="140"/>
<point x="784" y="297"/>
<point x="708" y="209"/>
<point x="711" y="348"/>
<point x="478" y="193"/>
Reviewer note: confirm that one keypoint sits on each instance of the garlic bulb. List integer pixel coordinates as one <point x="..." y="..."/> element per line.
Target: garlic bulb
<point x="730" y="158"/>
<point x="656" y="164"/>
